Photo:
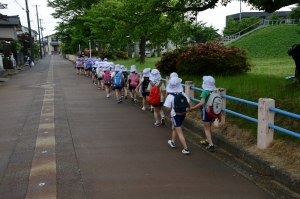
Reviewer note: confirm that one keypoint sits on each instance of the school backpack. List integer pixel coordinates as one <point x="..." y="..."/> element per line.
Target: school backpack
<point x="125" y="75"/>
<point x="214" y="106"/>
<point x="118" y="80"/>
<point x="134" y="80"/>
<point x="294" y="48"/>
<point x="181" y="104"/>
<point x="145" y="83"/>
<point x="107" y="78"/>
<point x="154" y="94"/>
<point x="100" y="73"/>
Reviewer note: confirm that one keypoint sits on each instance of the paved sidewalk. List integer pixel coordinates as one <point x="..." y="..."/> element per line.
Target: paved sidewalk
<point x="102" y="149"/>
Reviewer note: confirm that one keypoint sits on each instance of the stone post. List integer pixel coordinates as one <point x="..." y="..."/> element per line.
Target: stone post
<point x="189" y="92"/>
<point x="265" y="134"/>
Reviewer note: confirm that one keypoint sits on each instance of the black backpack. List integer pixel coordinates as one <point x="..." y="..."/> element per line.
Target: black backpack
<point x="181" y="104"/>
<point x="294" y="48"/>
<point x="145" y="83"/>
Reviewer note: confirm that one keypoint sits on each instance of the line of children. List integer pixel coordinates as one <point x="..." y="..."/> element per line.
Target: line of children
<point x="107" y="75"/>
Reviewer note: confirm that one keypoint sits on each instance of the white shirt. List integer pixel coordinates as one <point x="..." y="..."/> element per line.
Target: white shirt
<point x="169" y="102"/>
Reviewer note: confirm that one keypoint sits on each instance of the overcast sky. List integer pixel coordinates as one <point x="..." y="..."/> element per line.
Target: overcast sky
<point x="215" y="17"/>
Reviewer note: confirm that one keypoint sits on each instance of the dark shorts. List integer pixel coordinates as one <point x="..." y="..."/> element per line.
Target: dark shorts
<point x="100" y="78"/>
<point x="160" y="105"/>
<point x="107" y="84"/>
<point x="205" y="117"/>
<point x="177" y="120"/>
<point x="144" y="94"/>
<point x="131" y="88"/>
<point x="79" y="67"/>
<point x="119" y="88"/>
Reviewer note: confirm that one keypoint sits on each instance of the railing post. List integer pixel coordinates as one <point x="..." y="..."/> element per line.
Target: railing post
<point x="221" y="91"/>
<point x="265" y="134"/>
<point x="189" y="92"/>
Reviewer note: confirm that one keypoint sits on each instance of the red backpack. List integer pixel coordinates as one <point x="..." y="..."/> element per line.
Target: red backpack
<point x="154" y="94"/>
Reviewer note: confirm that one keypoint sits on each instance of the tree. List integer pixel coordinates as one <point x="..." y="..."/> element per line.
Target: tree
<point x="241" y="26"/>
<point x="193" y="6"/>
<point x="295" y="12"/>
<point x="274" y="16"/>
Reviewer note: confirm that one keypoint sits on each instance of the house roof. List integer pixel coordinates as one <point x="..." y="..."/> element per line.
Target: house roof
<point x="12" y="21"/>
<point x="265" y="15"/>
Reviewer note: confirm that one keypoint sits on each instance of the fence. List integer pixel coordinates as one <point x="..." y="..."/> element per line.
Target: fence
<point x="266" y="114"/>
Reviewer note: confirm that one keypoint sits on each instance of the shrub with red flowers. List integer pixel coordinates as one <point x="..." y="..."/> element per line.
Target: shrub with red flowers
<point x="210" y="58"/>
<point x="109" y="55"/>
<point x="168" y="62"/>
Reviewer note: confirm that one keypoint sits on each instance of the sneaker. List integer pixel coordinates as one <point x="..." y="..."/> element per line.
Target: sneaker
<point x="163" y="121"/>
<point x="210" y="148"/>
<point x="118" y="101"/>
<point x="172" y="145"/>
<point x="157" y="124"/>
<point x="186" y="151"/>
<point x="108" y="95"/>
<point x="144" y="108"/>
<point x="134" y="101"/>
<point x="98" y="88"/>
<point x="203" y="142"/>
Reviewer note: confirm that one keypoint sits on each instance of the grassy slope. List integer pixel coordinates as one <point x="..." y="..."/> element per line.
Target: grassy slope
<point x="270" y="42"/>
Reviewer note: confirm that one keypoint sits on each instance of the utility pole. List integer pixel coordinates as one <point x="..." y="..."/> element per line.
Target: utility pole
<point x="37" y="17"/>
<point x="42" y="37"/>
<point x="29" y="29"/>
<point x="240" y="10"/>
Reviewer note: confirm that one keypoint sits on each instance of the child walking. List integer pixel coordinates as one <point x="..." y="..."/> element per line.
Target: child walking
<point x="208" y="86"/>
<point x="144" y="83"/>
<point x="107" y="80"/>
<point x="118" y="81"/>
<point x="133" y="81"/>
<point x="155" y="80"/>
<point x="174" y="87"/>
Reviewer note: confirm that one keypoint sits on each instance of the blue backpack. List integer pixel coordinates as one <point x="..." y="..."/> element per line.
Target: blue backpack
<point x="118" y="80"/>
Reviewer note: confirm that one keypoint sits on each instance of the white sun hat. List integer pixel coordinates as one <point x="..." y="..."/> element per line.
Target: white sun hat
<point x="133" y="68"/>
<point x="208" y="83"/>
<point x="173" y="75"/>
<point x="118" y="67"/>
<point x="174" y="85"/>
<point x="155" y="75"/>
<point x="146" y="72"/>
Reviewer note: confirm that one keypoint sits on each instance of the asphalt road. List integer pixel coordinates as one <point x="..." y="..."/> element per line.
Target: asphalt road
<point x="62" y="138"/>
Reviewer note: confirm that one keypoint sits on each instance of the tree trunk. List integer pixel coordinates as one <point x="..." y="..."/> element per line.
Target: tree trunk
<point x="136" y="49"/>
<point x="143" y="49"/>
<point x="158" y="51"/>
<point x="129" y="49"/>
<point x="99" y="49"/>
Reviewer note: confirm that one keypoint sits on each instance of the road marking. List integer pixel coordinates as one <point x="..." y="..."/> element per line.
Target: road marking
<point x="42" y="179"/>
